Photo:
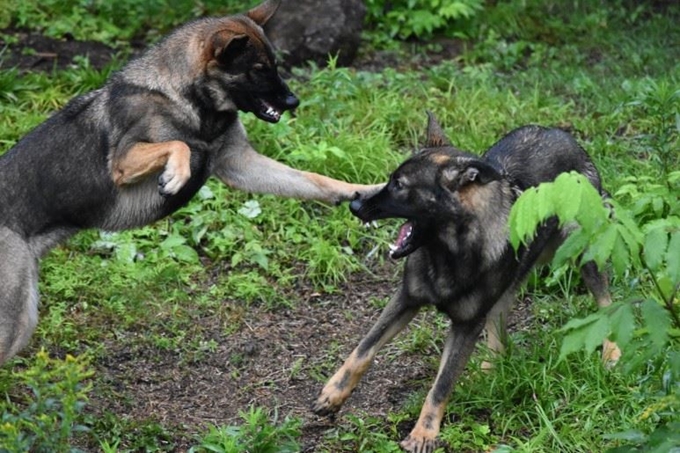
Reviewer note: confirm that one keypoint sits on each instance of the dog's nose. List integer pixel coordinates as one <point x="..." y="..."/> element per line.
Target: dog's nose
<point x="355" y="207"/>
<point x="291" y="101"/>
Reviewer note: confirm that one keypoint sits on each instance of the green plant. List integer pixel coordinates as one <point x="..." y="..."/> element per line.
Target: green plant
<point x="256" y="434"/>
<point x="366" y="434"/>
<point x="49" y="418"/>
<point x="419" y="18"/>
<point x="647" y="246"/>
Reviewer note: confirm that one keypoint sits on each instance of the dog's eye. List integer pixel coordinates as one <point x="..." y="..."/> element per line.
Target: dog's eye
<point x="397" y="184"/>
<point x="259" y="67"/>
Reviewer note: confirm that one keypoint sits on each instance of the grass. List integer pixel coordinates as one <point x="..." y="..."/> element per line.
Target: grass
<point x="608" y="74"/>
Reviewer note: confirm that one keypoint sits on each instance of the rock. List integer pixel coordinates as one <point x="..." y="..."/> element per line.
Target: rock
<point x="311" y="30"/>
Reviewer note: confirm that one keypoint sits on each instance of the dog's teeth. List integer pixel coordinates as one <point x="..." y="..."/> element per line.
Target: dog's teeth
<point x="374" y="224"/>
<point x="366" y="225"/>
<point x="392" y="248"/>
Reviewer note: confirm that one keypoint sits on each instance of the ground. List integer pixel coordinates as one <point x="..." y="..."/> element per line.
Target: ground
<point x="276" y="359"/>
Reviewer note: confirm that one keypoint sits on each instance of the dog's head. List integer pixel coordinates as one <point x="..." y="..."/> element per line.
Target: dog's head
<point x="437" y="187"/>
<point x="241" y="65"/>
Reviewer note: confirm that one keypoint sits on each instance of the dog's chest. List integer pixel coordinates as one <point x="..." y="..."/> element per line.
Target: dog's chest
<point x="454" y="286"/>
<point x="142" y="203"/>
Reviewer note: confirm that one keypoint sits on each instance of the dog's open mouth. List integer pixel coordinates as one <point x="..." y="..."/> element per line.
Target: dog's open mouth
<point x="267" y="111"/>
<point x="406" y="242"/>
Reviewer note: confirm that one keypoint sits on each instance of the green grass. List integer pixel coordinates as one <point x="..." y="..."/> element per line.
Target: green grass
<point x="609" y="74"/>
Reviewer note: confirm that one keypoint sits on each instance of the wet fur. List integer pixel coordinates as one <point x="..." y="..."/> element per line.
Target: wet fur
<point x="464" y="264"/>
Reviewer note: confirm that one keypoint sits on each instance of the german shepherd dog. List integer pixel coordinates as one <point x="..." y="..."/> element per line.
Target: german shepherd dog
<point x="459" y="258"/>
<point x="140" y="147"/>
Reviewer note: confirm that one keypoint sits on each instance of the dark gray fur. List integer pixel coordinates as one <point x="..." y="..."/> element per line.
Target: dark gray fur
<point x="459" y="256"/>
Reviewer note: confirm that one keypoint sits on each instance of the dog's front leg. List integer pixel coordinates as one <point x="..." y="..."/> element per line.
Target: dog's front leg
<point x="144" y="159"/>
<point x="459" y="346"/>
<point x="396" y="315"/>
<point x="248" y="170"/>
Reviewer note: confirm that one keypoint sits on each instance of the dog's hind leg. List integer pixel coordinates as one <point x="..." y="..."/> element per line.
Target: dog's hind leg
<point x="18" y="293"/>
<point x="598" y="284"/>
<point x="496" y="327"/>
<point x="396" y="315"/>
<point x="459" y="346"/>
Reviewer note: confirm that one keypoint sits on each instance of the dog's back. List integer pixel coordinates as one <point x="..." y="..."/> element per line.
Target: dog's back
<point x="531" y="155"/>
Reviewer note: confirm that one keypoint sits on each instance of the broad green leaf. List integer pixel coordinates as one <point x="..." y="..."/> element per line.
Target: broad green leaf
<point x="632" y="244"/>
<point x="632" y="436"/>
<point x="545" y="203"/>
<point x="657" y="322"/>
<point x="602" y="247"/>
<point x="619" y="255"/>
<point x="580" y="322"/>
<point x="522" y="218"/>
<point x="572" y="247"/>
<point x="568" y="192"/>
<point x="185" y="253"/>
<point x="596" y="333"/>
<point x="572" y="342"/>
<point x="656" y="241"/>
<point x="622" y="321"/>
<point x="673" y="257"/>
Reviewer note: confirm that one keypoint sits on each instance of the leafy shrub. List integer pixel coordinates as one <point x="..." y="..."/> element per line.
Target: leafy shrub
<point x="643" y="245"/>
<point x="49" y="419"/>
<point x="109" y="21"/>
<point x="419" y="18"/>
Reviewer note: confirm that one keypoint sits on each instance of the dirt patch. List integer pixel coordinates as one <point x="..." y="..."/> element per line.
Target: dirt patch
<point x="29" y="51"/>
<point x="275" y="359"/>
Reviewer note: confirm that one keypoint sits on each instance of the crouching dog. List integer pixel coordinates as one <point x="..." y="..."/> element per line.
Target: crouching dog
<point x="141" y="146"/>
<point x="459" y="258"/>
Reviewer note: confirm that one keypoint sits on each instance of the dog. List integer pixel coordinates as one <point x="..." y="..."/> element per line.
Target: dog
<point x="456" y="238"/>
<point x="140" y="147"/>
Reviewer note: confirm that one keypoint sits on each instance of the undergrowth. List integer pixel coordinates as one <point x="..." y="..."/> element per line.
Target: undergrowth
<point x="606" y="74"/>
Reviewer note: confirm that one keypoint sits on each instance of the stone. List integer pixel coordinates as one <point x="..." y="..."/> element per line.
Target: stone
<point x="311" y="30"/>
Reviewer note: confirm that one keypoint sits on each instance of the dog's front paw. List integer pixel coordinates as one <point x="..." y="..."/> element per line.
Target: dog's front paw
<point x="328" y="403"/>
<point x="173" y="178"/>
<point x="415" y="444"/>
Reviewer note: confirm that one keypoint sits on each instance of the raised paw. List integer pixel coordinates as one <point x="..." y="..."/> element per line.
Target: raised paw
<point x="415" y="444"/>
<point x="173" y="178"/>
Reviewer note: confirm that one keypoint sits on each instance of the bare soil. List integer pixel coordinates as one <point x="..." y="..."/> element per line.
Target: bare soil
<point x="275" y="358"/>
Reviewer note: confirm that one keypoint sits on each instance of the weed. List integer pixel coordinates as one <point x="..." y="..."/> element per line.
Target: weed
<point x="257" y="433"/>
<point x="50" y="417"/>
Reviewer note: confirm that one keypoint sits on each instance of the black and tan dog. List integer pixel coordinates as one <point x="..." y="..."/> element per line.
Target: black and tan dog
<point x="459" y="258"/>
<point x="140" y="147"/>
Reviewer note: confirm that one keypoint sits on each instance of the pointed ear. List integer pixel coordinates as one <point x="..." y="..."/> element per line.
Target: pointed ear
<point x="456" y="176"/>
<point x="226" y="45"/>
<point x="263" y="12"/>
<point x="435" y="134"/>
<point x="481" y="172"/>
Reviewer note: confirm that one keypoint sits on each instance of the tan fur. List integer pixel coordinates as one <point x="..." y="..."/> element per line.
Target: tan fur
<point x="144" y="159"/>
<point x="441" y="159"/>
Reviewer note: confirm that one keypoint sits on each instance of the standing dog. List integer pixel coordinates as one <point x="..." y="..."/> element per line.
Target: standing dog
<point x="139" y="148"/>
<point x="459" y="258"/>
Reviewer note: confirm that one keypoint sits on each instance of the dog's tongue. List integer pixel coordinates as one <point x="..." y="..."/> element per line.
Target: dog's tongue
<point x="404" y="233"/>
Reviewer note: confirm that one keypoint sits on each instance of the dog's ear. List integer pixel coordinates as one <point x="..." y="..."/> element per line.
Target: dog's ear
<point x="435" y="134"/>
<point x="226" y="45"/>
<point x="457" y="176"/>
<point x="480" y="172"/>
<point x="263" y="12"/>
